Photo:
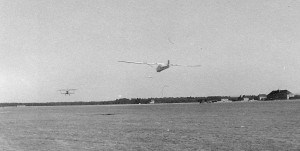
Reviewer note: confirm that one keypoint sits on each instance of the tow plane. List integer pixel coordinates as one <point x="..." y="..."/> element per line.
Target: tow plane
<point x="160" y="66"/>
<point x="67" y="91"/>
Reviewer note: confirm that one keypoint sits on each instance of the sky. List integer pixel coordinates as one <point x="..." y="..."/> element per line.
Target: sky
<point x="244" y="47"/>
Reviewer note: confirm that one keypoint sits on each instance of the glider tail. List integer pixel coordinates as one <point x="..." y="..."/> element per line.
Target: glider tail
<point x="168" y="63"/>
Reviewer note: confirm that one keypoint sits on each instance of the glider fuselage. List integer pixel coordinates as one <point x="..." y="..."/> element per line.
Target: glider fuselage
<point x="161" y="67"/>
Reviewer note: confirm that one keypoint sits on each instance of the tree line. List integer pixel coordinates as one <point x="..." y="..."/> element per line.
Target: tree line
<point x="209" y="99"/>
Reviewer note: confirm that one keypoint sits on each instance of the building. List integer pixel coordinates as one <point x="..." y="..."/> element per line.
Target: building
<point x="246" y="98"/>
<point x="225" y="100"/>
<point x="262" y="97"/>
<point x="280" y="95"/>
<point x="152" y="101"/>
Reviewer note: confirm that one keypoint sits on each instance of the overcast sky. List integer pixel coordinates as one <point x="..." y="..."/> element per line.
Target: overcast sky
<point x="244" y="47"/>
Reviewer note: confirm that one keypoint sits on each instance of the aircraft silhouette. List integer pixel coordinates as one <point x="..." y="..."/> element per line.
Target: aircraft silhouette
<point x="160" y="66"/>
<point x="67" y="91"/>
